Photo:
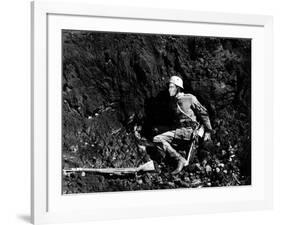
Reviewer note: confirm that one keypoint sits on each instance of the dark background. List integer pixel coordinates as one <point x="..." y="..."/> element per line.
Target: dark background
<point x="115" y="81"/>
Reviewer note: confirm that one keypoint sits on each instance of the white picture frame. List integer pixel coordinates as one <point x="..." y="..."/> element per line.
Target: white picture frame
<point x="47" y="203"/>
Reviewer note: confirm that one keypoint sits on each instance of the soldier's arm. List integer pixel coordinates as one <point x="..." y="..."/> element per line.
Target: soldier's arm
<point x="202" y="112"/>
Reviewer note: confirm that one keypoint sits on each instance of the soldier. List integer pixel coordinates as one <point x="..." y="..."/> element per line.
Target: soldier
<point x="187" y="109"/>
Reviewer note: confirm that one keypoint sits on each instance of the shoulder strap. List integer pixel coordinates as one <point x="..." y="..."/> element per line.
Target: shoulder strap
<point x="180" y="109"/>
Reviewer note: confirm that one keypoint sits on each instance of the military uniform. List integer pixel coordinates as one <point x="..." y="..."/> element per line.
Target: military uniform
<point x="188" y="111"/>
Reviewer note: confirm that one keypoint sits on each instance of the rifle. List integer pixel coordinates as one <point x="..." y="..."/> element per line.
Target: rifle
<point x="198" y="132"/>
<point x="149" y="166"/>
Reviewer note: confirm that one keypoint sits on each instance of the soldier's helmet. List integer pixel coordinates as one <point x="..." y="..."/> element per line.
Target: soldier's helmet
<point x="177" y="81"/>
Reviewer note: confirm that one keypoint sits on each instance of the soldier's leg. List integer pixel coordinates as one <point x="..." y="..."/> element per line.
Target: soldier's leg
<point x="164" y="140"/>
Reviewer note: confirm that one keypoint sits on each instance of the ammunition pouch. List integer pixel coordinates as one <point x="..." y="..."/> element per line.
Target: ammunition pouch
<point x="184" y="133"/>
<point x="188" y="123"/>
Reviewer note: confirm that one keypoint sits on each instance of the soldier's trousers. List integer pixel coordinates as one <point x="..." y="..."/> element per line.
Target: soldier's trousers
<point x="165" y="139"/>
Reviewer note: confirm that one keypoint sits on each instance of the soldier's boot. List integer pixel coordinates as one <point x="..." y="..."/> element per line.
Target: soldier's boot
<point x="181" y="163"/>
<point x="174" y="154"/>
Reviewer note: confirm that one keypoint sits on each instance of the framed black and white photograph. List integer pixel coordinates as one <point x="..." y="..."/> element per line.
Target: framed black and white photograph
<point x="149" y="112"/>
<point x="140" y="101"/>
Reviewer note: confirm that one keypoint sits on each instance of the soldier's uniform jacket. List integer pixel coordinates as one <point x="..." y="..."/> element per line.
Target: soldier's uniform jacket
<point x="189" y="112"/>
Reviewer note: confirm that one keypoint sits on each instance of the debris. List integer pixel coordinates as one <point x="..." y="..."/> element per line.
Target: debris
<point x="204" y="162"/>
<point x="73" y="148"/>
<point x="183" y="184"/>
<point x="142" y="148"/>
<point x="235" y="178"/>
<point x="171" y="184"/>
<point x="196" y="182"/>
<point x="199" y="167"/>
<point x="186" y="179"/>
<point x="208" y="169"/>
<point x="115" y="131"/>
<point x="140" y="181"/>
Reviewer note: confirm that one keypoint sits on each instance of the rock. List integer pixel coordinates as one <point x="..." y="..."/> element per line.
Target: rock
<point x="140" y="181"/>
<point x="182" y="183"/>
<point x="73" y="148"/>
<point x="171" y="184"/>
<point x="142" y="148"/>
<point x="159" y="180"/>
<point x="198" y="166"/>
<point x="196" y="182"/>
<point x="208" y="169"/>
<point x="204" y="163"/>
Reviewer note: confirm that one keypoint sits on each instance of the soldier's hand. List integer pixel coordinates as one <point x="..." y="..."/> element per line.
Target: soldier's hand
<point x="207" y="136"/>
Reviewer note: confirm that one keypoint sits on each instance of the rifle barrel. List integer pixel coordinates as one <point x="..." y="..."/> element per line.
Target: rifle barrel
<point x="149" y="166"/>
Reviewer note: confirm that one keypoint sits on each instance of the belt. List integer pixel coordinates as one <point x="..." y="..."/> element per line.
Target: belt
<point x="188" y="123"/>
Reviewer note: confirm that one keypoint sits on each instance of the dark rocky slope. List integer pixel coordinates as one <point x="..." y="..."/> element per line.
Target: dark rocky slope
<point x="114" y="83"/>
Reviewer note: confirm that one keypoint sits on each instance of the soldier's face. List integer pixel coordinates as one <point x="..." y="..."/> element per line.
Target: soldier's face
<point x="173" y="89"/>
